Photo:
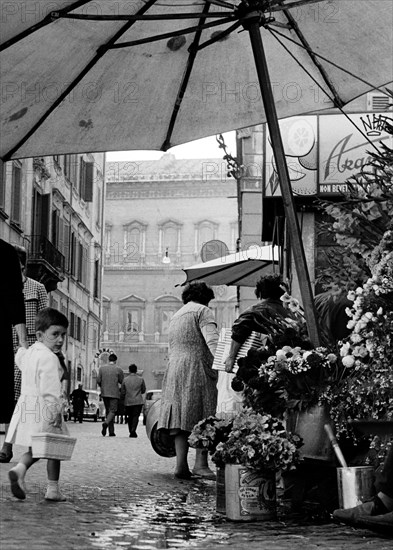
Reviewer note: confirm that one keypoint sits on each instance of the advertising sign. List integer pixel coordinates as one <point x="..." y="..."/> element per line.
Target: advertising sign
<point x="344" y="147"/>
<point x="299" y="136"/>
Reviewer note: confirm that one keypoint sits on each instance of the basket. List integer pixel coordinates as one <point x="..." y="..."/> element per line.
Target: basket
<point x="57" y="446"/>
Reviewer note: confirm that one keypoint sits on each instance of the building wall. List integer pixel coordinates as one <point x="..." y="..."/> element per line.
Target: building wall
<point x="136" y="279"/>
<point x="61" y="226"/>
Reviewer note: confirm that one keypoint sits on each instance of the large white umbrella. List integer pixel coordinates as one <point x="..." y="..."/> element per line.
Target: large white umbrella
<point x="243" y="268"/>
<point x="150" y="74"/>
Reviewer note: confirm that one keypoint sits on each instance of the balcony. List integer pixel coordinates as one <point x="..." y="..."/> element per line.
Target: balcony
<point x="45" y="263"/>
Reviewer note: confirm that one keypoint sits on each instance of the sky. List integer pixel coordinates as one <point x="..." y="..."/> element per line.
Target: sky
<point x="202" y="148"/>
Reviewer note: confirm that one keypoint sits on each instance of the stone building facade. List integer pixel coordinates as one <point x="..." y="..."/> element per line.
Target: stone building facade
<point x="53" y="206"/>
<point x="159" y="214"/>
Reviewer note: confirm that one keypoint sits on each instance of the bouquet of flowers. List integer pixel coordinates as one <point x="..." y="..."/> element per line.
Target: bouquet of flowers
<point x="208" y="433"/>
<point x="259" y="442"/>
<point x="290" y="378"/>
<point x="366" y="388"/>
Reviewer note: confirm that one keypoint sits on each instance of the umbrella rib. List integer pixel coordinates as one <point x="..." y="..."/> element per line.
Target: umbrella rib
<point x="46" y="21"/>
<point x="180" y="32"/>
<point x="100" y="52"/>
<point x="186" y="77"/>
<point x="155" y="17"/>
<point x="337" y="100"/>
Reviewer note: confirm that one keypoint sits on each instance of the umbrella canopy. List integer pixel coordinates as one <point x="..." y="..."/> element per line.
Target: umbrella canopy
<point x="99" y="75"/>
<point x="240" y="269"/>
<point x="150" y="74"/>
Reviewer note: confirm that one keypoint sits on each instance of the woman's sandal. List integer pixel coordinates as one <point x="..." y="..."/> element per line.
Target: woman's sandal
<point x="186" y="475"/>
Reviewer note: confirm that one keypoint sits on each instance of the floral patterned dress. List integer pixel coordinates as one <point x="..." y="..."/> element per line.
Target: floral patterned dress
<point x="189" y="386"/>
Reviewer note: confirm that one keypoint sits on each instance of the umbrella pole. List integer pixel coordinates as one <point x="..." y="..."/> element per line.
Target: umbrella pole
<point x="252" y="24"/>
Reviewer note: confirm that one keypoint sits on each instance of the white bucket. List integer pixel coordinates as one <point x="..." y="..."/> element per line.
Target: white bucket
<point x="355" y="485"/>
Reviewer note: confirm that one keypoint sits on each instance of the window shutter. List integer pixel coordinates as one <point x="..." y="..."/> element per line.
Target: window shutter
<point x="89" y="167"/>
<point x="82" y="178"/>
<point x="66" y="234"/>
<point x="16" y="193"/>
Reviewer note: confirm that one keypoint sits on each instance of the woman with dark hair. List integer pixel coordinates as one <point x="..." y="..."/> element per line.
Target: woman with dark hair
<point x="264" y="317"/>
<point x="189" y="391"/>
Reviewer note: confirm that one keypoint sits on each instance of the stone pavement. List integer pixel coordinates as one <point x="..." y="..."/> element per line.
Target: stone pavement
<point x="121" y="495"/>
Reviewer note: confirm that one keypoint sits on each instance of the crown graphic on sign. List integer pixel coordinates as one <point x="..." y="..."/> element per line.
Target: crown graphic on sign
<point x="374" y="125"/>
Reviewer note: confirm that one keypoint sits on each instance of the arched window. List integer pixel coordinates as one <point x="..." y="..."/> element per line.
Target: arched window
<point x="205" y="231"/>
<point x="132" y="310"/>
<point x="169" y="240"/>
<point x="165" y="306"/>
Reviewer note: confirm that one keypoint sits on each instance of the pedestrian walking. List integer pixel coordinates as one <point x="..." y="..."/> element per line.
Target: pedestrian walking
<point x="79" y="398"/>
<point x="41" y="393"/>
<point x="12" y="313"/>
<point x="109" y="378"/>
<point x="189" y="391"/>
<point x="133" y="388"/>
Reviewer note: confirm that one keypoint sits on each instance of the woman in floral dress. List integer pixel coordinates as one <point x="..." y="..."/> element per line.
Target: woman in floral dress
<point x="189" y="385"/>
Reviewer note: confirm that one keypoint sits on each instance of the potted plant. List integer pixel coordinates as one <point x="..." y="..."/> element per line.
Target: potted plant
<point x="252" y="447"/>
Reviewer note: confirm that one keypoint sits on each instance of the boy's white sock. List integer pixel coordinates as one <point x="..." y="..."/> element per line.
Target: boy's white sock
<point x="53" y="492"/>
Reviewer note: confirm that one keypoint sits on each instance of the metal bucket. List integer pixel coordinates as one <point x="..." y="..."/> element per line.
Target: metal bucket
<point x="162" y="443"/>
<point x="309" y="425"/>
<point x="249" y="495"/>
<point x="355" y="485"/>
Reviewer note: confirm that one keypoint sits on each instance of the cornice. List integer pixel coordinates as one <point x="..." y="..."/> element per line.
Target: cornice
<point x="170" y="189"/>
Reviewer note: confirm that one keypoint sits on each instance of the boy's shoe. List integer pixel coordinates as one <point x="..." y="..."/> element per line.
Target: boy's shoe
<point x="104" y="428"/>
<point x="374" y="507"/>
<point x="17" y="488"/>
<point x="54" y="496"/>
<point x="112" y="435"/>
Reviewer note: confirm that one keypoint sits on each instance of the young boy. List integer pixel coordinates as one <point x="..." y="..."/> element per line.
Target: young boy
<point x="39" y="407"/>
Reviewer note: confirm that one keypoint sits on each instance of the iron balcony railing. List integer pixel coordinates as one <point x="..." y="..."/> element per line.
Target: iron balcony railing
<point x="42" y="249"/>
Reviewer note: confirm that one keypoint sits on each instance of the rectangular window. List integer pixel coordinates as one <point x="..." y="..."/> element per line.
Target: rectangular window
<point x="86" y="180"/>
<point x="132" y="321"/>
<point x="80" y="263"/>
<point x="83" y="336"/>
<point x="96" y="279"/>
<point x="2" y="183"/>
<point x="166" y="316"/>
<point x="78" y="335"/>
<point x="70" y="168"/>
<point x="72" y="325"/>
<point x="16" y="190"/>
<point x="66" y="236"/>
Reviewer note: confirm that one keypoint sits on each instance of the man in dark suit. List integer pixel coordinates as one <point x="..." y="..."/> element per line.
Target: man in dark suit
<point x="79" y="398"/>
<point x="109" y="378"/>
<point x="12" y="313"/>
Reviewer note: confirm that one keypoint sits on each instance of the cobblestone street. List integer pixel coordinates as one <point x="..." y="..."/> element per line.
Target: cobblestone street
<point x="121" y="495"/>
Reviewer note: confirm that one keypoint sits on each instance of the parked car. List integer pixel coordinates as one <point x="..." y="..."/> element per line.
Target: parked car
<point x="96" y="408"/>
<point x="151" y="396"/>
